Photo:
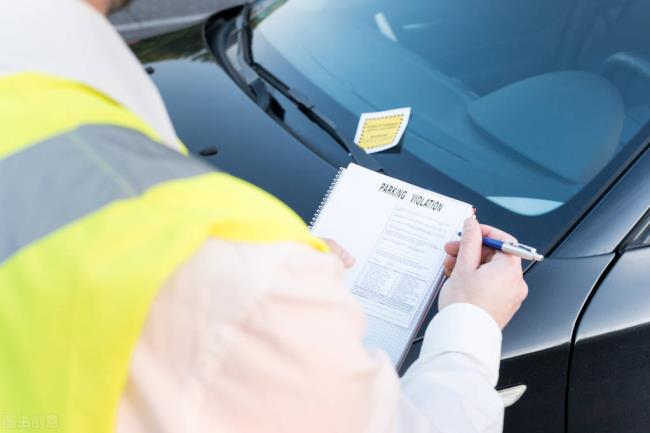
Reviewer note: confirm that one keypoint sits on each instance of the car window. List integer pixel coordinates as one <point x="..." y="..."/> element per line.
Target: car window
<point x="523" y="103"/>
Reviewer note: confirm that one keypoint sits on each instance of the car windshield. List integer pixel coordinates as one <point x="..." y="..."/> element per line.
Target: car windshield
<point x="523" y="103"/>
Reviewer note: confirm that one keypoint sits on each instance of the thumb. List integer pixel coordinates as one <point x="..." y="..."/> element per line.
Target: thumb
<point x="469" y="255"/>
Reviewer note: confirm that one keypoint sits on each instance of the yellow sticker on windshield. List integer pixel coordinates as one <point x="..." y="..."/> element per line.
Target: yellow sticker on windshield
<point x="381" y="130"/>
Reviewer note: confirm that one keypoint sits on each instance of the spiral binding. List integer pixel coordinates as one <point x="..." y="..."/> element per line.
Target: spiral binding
<point x="323" y="202"/>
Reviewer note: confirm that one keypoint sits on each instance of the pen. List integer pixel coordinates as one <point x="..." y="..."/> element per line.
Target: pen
<point x="515" y="249"/>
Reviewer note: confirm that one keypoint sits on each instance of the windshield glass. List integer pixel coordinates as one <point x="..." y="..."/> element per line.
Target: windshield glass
<point x="522" y="102"/>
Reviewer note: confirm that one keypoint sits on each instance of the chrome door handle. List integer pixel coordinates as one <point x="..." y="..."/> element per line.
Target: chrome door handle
<point x="511" y="395"/>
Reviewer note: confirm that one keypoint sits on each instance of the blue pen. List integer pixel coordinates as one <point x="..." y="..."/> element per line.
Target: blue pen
<point x="515" y="249"/>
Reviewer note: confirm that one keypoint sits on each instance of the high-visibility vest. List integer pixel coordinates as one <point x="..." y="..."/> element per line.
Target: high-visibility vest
<point x="95" y="214"/>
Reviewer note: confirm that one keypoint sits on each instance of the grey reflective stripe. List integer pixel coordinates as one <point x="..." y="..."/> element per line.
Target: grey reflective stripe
<point x="57" y="181"/>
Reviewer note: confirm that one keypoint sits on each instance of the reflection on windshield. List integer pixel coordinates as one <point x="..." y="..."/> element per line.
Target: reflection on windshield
<point x="522" y="102"/>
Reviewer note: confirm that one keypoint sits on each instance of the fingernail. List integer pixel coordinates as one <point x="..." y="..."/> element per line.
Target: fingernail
<point x="468" y="223"/>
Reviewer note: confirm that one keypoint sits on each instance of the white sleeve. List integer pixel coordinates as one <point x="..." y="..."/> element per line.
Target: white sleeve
<point x="248" y="338"/>
<point x="450" y="388"/>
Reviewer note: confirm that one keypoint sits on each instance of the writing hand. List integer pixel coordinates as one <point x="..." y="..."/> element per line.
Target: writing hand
<point x="481" y="276"/>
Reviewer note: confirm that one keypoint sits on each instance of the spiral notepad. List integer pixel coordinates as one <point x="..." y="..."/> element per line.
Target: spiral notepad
<point x="396" y="232"/>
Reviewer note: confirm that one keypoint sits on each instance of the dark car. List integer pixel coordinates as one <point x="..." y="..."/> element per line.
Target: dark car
<point x="534" y="111"/>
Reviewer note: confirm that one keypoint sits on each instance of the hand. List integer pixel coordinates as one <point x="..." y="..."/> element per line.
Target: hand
<point x="482" y="276"/>
<point x="340" y="252"/>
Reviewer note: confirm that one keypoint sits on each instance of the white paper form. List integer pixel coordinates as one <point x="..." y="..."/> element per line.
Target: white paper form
<point x="402" y="266"/>
<point x="397" y="232"/>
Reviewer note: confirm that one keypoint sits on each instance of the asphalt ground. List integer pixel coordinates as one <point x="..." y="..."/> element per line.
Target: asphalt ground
<point x="144" y="18"/>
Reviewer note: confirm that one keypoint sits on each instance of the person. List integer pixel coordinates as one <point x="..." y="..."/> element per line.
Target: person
<point x="141" y="291"/>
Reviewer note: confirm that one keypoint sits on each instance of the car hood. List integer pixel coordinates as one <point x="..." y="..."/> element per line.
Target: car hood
<point x="209" y="110"/>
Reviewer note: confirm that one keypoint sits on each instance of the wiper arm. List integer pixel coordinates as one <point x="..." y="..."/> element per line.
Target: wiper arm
<point x="306" y="107"/>
<point x="257" y="77"/>
<point x="245" y="59"/>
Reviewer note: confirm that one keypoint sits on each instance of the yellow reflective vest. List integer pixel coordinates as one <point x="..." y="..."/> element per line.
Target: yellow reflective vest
<point x="95" y="214"/>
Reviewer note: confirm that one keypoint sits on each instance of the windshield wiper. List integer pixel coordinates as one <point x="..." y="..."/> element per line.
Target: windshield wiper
<point x="257" y="77"/>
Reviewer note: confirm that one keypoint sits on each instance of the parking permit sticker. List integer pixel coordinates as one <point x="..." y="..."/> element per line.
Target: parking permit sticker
<point x="381" y="130"/>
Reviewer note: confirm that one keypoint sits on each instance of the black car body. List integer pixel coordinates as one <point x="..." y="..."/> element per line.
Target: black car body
<point x="581" y="341"/>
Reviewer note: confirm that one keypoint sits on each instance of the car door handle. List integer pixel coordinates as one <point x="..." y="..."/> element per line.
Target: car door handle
<point x="512" y="394"/>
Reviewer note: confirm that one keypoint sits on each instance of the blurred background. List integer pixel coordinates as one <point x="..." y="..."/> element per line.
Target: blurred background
<point x="144" y="18"/>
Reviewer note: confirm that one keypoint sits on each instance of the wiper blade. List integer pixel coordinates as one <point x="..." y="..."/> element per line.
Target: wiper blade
<point x="257" y="77"/>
